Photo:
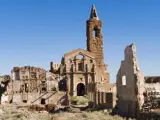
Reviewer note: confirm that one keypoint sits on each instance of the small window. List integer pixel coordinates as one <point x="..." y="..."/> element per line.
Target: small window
<point x="43" y="101"/>
<point x="94" y="33"/>
<point x="26" y="87"/>
<point x="80" y="66"/>
<point x="124" y="80"/>
<point x="17" y="76"/>
<point x="24" y="101"/>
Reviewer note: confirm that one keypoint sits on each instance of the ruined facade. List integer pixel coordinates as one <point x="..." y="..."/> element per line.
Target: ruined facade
<point x="130" y="85"/>
<point x="4" y="88"/>
<point x="79" y="67"/>
<point x="32" y="85"/>
<point x="105" y="95"/>
<point x="137" y="96"/>
<point x="86" y="68"/>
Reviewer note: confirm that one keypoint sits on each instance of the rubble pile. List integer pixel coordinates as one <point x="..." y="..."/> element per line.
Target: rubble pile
<point x="48" y="107"/>
<point x="151" y="101"/>
<point x="14" y="112"/>
<point x="151" y="107"/>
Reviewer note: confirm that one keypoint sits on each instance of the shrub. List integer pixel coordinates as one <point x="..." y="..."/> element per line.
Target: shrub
<point x="82" y="100"/>
<point x="74" y="100"/>
<point x="79" y="100"/>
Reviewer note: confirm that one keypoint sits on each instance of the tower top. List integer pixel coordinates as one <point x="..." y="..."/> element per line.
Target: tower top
<point x="94" y="14"/>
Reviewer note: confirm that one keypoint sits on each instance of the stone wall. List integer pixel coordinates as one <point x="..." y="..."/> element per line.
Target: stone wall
<point x="79" y="68"/>
<point x="32" y="86"/>
<point x="105" y="100"/>
<point x="130" y="85"/>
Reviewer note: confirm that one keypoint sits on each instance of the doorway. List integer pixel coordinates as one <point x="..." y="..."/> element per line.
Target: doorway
<point x="43" y="101"/>
<point x="24" y="101"/>
<point x="80" y="89"/>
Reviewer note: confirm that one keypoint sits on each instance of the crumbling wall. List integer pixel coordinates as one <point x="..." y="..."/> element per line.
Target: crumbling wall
<point x="34" y="86"/>
<point x="130" y="85"/>
<point x="151" y="95"/>
<point x="4" y="82"/>
<point x="52" y="81"/>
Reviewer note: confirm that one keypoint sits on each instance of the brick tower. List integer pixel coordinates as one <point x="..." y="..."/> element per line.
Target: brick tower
<point x="95" y="41"/>
<point x="94" y="36"/>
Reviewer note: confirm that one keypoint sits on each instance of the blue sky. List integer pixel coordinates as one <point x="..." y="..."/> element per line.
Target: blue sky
<point x="36" y="32"/>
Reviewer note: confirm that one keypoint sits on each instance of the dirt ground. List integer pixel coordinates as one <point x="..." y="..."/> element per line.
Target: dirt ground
<point x="14" y="112"/>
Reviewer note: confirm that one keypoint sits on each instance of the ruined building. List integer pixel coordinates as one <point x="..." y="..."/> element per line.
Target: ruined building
<point x="137" y="96"/>
<point x="31" y="85"/>
<point x="81" y="72"/>
<point x="84" y="67"/>
<point x="84" y="73"/>
<point x="85" y="70"/>
<point x="130" y="84"/>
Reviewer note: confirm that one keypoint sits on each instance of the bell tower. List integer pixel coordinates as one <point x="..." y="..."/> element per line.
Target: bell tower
<point x="95" y="45"/>
<point x="94" y="36"/>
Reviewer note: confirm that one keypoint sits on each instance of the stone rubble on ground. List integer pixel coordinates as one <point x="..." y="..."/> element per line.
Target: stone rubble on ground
<point x="12" y="112"/>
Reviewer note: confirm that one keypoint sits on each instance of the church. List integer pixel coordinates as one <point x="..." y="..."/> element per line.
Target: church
<point x="85" y="68"/>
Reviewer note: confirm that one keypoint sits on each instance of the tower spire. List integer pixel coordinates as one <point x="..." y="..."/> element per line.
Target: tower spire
<point x="93" y="14"/>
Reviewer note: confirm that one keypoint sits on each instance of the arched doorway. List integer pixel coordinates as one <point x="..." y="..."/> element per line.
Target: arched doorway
<point x="62" y="85"/>
<point x="80" y="89"/>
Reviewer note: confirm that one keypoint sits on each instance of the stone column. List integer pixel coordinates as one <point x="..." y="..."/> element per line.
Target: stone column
<point x="68" y="80"/>
<point x="73" y="85"/>
<point x="86" y="82"/>
<point x="76" y="65"/>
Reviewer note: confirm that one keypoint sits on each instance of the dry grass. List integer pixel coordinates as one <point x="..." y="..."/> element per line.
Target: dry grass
<point x="97" y="115"/>
<point x="13" y="112"/>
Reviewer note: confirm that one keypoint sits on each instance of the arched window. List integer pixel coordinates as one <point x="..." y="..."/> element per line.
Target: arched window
<point x="79" y="56"/>
<point x="17" y="76"/>
<point x="95" y="32"/>
<point x="80" y="66"/>
<point x="80" y="59"/>
<point x="62" y="85"/>
<point x="26" y="87"/>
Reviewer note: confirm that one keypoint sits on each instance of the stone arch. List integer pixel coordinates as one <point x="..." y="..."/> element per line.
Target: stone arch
<point x="79" y="57"/>
<point x="80" y="62"/>
<point x="96" y="31"/>
<point x="80" y="89"/>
